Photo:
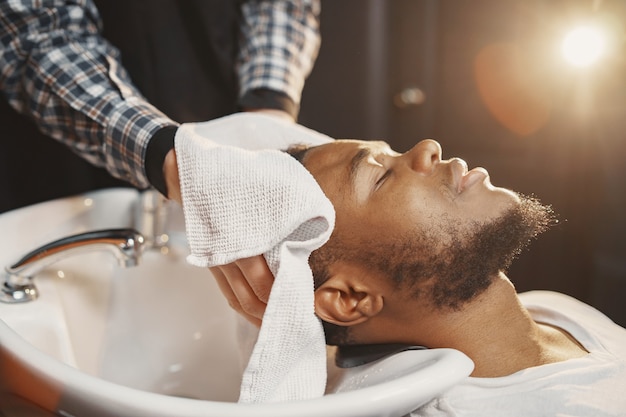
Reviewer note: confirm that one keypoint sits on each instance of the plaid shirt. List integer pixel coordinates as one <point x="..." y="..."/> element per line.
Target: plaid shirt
<point x="57" y="68"/>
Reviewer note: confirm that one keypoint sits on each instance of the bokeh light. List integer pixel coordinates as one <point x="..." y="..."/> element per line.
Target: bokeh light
<point x="584" y="46"/>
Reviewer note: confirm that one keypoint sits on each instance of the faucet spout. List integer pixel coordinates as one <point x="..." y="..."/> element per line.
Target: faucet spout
<point x="18" y="286"/>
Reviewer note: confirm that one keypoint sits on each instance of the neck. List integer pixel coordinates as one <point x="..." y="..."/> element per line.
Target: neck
<point x="494" y="330"/>
<point x="498" y="334"/>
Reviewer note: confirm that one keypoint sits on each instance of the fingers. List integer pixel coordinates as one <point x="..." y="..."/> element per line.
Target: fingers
<point x="246" y="284"/>
<point x="172" y="181"/>
<point x="258" y="275"/>
<point x="226" y="289"/>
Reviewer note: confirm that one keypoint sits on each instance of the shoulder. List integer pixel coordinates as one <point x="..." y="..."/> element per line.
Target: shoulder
<point x="553" y="304"/>
<point x="552" y="299"/>
<point x="587" y="324"/>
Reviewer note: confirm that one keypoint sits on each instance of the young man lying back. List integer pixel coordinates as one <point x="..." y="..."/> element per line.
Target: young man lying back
<point x="418" y="256"/>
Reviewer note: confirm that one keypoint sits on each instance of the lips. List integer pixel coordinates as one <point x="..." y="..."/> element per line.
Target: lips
<point x="462" y="179"/>
<point x="475" y="176"/>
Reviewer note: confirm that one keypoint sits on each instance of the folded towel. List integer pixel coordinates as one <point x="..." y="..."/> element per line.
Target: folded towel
<point x="240" y="203"/>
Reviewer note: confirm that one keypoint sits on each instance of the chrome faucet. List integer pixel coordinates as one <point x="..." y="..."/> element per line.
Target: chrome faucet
<point x="17" y="279"/>
<point x="151" y="211"/>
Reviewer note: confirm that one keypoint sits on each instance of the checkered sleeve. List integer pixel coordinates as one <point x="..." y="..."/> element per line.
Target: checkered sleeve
<point x="57" y="69"/>
<point x="280" y="41"/>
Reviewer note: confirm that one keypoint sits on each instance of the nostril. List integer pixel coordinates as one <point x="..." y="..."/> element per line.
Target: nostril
<point x="434" y="148"/>
<point x="424" y="156"/>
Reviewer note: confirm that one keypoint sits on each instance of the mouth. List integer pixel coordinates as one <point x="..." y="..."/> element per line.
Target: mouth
<point x="475" y="176"/>
<point x="464" y="179"/>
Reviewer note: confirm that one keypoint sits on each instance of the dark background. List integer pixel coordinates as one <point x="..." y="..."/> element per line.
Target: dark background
<point x="498" y="94"/>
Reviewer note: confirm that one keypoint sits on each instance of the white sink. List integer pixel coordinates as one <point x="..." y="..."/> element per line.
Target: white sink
<point x="158" y="339"/>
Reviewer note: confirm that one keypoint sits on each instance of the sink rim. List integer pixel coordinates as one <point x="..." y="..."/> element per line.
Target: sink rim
<point x="364" y="401"/>
<point x="446" y="367"/>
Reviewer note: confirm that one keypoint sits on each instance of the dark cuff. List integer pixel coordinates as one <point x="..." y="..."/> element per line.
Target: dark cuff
<point x="158" y="147"/>
<point x="264" y="98"/>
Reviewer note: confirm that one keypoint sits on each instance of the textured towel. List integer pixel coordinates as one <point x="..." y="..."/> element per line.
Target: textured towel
<point x="240" y="203"/>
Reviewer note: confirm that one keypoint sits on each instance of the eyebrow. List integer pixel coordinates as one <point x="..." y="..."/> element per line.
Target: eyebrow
<point x="356" y="160"/>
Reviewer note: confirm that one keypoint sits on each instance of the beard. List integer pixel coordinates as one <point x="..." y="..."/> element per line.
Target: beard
<point x="468" y="264"/>
<point x="447" y="277"/>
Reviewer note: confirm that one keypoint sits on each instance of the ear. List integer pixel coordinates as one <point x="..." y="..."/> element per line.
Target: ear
<point x="345" y="300"/>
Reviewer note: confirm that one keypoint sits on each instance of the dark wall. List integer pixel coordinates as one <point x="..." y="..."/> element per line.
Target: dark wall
<point x="496" y="93"/>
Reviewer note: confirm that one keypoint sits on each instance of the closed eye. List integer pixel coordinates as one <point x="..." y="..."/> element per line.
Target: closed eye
<point x="382" y="179"/>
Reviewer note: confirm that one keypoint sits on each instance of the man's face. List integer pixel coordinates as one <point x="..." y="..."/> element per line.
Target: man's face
<point x="422" y="234"/>
<point x="380" y="195"/>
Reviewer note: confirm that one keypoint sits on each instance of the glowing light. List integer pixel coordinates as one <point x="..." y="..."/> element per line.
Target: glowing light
<point x="88" y="202"/>
<point x="176" y="367"/>
<point x="584" y="46"/>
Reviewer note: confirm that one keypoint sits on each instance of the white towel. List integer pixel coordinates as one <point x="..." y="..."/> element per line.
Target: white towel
<point x="240" y="203"/>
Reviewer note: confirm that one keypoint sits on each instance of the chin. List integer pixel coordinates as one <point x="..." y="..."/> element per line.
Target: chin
<point x="497" y="201"/>
<point x="507" y="195"/>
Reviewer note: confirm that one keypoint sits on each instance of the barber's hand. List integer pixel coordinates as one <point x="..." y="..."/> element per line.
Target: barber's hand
<point x="172" y="180"/>
<point x="246" y="284"/>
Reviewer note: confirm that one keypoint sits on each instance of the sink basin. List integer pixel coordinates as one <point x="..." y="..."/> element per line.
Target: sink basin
<point x="159" y="339"/>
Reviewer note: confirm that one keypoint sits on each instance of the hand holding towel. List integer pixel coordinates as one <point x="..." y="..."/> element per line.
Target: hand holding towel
<point x="240" y="203"/>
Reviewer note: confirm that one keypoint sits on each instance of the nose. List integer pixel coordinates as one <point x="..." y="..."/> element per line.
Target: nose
<point x="424" y="156"/>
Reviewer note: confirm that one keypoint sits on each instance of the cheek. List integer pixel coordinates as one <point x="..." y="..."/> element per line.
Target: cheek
<point x="435" y="217"/>
<point x="420" y="208"/>
<point x="405" y="216"/>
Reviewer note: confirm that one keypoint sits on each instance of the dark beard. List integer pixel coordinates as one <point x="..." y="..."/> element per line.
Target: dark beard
<point x="467" y="266"/>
